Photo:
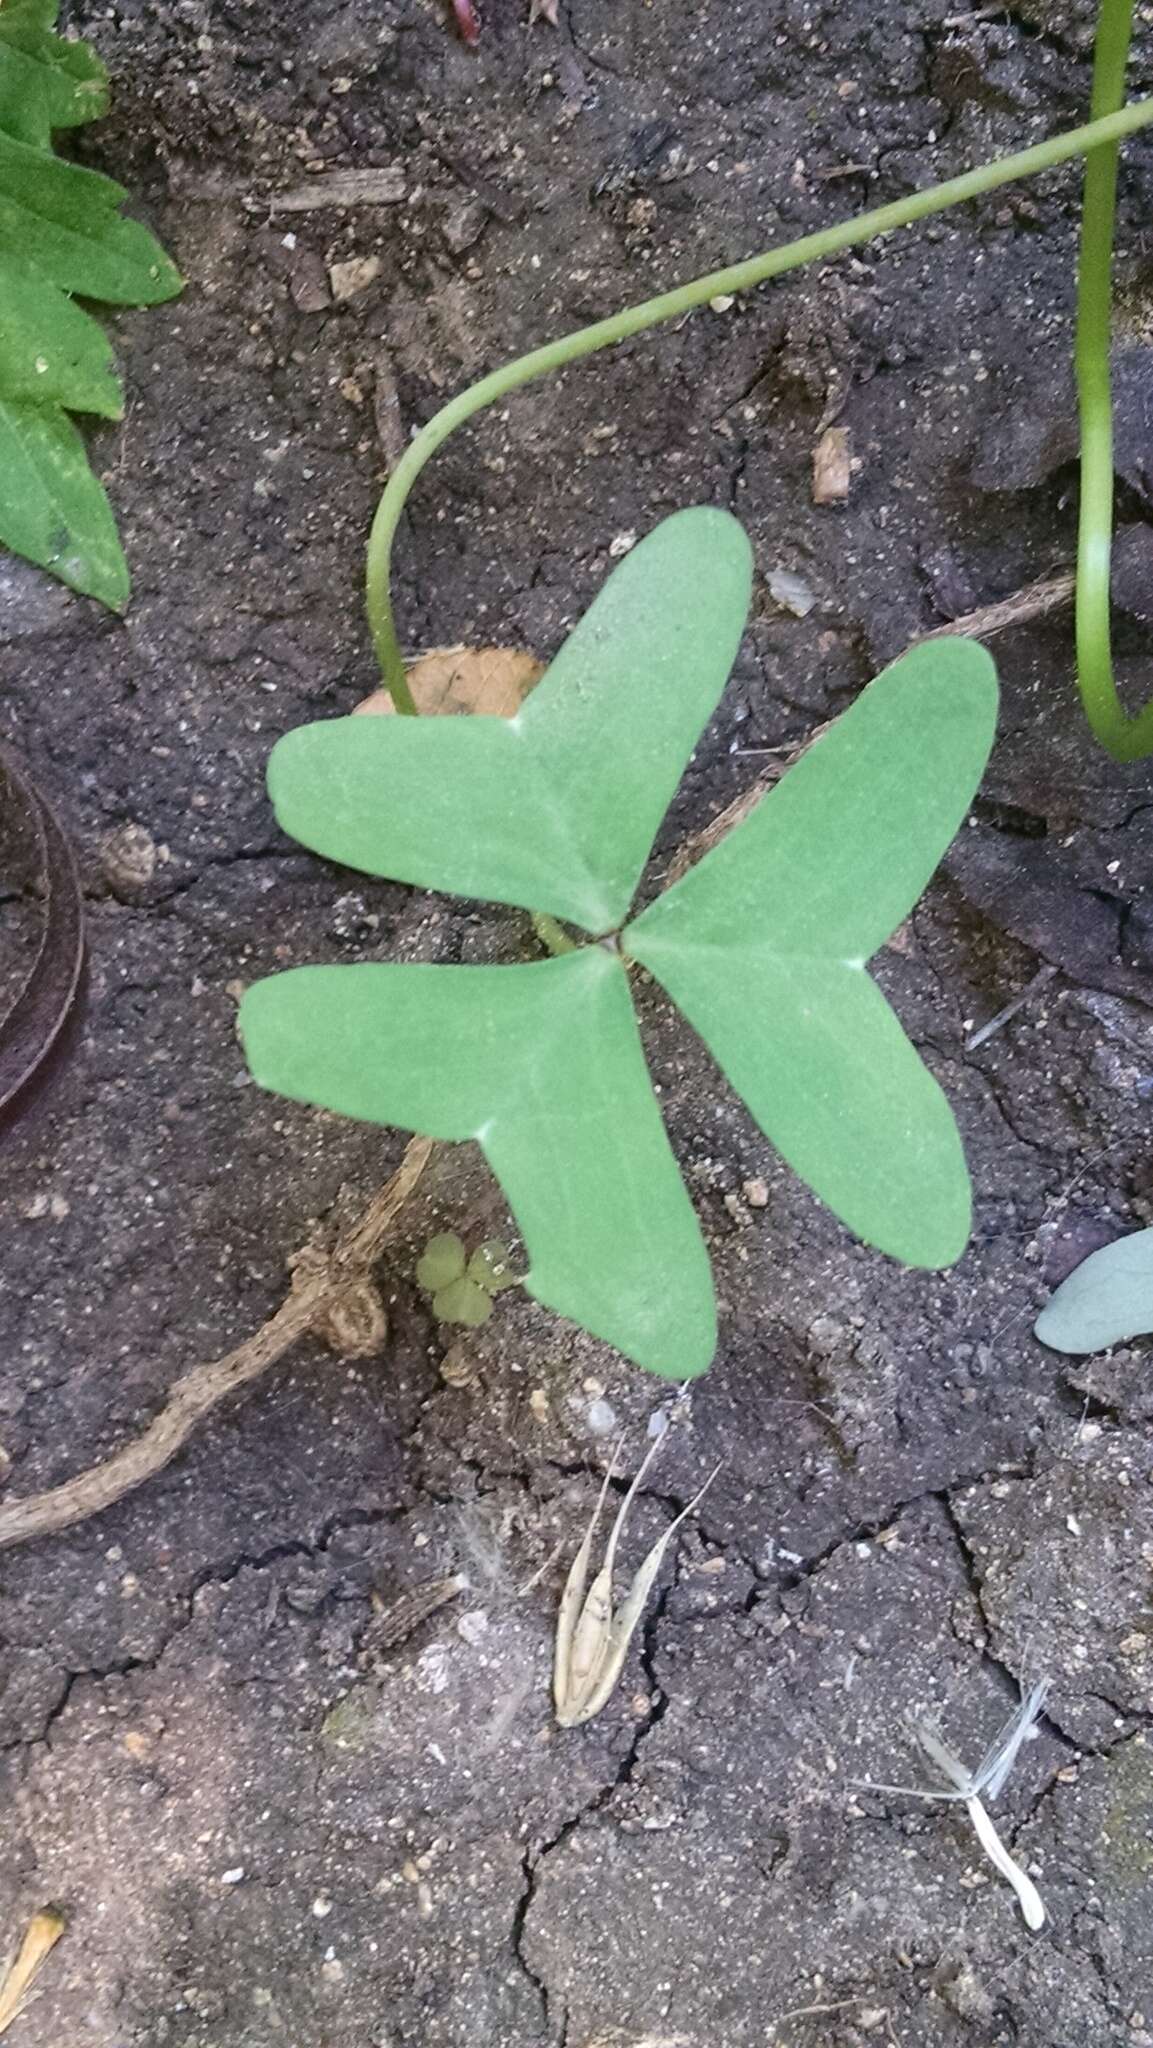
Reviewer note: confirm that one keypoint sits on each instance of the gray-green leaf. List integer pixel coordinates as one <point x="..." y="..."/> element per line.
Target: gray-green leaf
<point x="764" y="945"/>
<point x="1107" y="1299"/>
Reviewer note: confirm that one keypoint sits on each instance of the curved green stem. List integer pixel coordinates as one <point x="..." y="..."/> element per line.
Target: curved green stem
<point x="738" y="277"/>
<point x="1126" y="738"/>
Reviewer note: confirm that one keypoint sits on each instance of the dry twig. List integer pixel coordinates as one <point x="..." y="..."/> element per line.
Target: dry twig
<point x="1032" y="602"/>
<point x="320" y="1287"/>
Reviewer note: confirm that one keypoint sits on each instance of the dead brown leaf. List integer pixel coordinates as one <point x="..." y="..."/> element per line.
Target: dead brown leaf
<point x="44" y="1931"/>
<point x="832" y="467"/>
<point x="491" y="680"/>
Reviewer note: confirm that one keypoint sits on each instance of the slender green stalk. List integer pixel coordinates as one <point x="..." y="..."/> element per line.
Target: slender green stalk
<point x="738" y="277"/>
<point x="1124" y="737"/>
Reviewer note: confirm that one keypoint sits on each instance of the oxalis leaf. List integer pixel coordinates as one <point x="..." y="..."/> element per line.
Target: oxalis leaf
<point x="61" y="232"/>
<point x="763" y="944"/>
<point x="1106" y="1299"/>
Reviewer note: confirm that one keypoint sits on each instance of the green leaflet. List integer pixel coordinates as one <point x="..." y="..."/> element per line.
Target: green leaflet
<point x="543" y="1066"/>
<point x="52" y="509"/>
<point x="555" y="809"/>
<point x="1106" y="1300"/>
<point x="45" y="82"/>
<point x="66" y="219"/>
<point x="51" y="353"/>
<point x="61" y="233"/>
<point x="763" y="944"/>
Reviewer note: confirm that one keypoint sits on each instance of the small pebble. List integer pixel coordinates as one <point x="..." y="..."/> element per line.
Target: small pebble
<point x="232" y="1876"/>
<point x="602" y="1419"/>
<point x="347" y="280"/>
<point x="791" y="592"/>
<point x="128" y="858"/>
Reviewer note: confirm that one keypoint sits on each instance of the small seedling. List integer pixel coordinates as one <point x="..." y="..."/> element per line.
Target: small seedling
<point x="591" y="1640"/>
<point x="462" y="1288"/>
<point x="972" y="1787"/>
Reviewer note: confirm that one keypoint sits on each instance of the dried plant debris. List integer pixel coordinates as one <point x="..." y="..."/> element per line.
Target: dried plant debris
<point x="381" y="185"/>
<point x="394" y="1621"/>
<point x="456" y="680"/>
<point x="592" y="1640"/>
<point x="44" y="1931"/>
<point x="832" y="467"/>
<point x="956" y="1783"/>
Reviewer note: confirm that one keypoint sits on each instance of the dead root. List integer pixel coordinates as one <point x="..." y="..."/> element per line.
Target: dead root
<point x="323" y="1289"/>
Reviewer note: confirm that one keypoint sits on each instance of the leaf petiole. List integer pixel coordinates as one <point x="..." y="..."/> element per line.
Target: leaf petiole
<point x="1100" y="136"/>
<point x="1127" y="739"/>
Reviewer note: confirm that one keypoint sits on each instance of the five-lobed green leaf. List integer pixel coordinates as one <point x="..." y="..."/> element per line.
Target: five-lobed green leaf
<point x="61" y="233"/>
<point x="763" y="944"/>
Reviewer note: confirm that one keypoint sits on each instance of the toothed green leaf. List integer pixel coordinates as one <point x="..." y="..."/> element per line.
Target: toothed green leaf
<point x="61" y="232"/>
<point x="46" y="82"/>
<point x="52" y="507"/>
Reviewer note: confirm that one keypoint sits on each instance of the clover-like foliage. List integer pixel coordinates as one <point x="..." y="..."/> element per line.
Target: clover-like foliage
<point x="763" y="945"/>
